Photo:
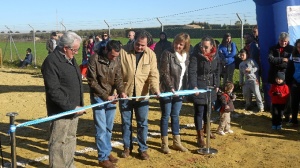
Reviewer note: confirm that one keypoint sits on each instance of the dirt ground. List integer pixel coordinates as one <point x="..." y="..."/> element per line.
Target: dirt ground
<point x="253" y="143"/>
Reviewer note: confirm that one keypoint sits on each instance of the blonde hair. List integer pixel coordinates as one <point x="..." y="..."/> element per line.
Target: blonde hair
<point x="183" y="37"/>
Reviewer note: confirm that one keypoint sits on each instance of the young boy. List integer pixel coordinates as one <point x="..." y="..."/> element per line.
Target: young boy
<point x="279" y="93"/>
<point x="248" y="80"/>
<point x="227" y="107"/>
<point x="27" y="60"/>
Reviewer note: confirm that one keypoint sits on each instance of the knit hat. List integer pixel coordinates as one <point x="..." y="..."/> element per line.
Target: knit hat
<point x="281" y="75"/>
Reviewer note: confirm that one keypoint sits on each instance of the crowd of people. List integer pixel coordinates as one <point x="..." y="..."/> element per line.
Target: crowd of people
<point x="142" y="67"/>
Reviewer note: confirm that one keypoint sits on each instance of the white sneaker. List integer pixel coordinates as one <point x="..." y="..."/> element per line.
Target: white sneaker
<point x="221" y="132"/>
<point x="229" y="131"/>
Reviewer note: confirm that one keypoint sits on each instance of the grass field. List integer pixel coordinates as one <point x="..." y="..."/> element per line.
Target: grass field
<point x="19" y="51"/>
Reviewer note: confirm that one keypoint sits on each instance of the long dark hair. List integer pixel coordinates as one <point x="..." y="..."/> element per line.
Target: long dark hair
<point x="224" y="42"/>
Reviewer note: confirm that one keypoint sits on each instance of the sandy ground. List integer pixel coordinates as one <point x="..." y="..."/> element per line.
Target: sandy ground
<point x="253" y="143"/>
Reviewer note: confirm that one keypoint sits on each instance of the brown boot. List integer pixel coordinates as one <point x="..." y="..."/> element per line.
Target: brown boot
<point x="200" y="138"/>
<point x="212" y="136"/>
<point x="125" y="153"/>
<point x="164" y="145"/>
<point x="144" y="155"/>
<point x="177" y="144"/>
<point x="112" y="159"/>
<point x="106" y="164"/>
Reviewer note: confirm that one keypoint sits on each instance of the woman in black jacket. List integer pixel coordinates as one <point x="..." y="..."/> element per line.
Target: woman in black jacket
<point x="203" y="72"/>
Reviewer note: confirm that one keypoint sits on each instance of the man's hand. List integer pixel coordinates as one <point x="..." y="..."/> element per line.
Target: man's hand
<point x="113" y="98"/>
<point x="123" y="95"/>
<point x="285" y="59"/>
<point x="157" y="94"/>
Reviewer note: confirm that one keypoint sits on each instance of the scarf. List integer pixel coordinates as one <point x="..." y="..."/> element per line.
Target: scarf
<point x="210" y="55"/>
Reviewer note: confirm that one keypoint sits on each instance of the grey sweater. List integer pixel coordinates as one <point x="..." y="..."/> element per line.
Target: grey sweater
<point x="246" y="76"/>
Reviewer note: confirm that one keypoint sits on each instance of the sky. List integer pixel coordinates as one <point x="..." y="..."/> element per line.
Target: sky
<point x="74" y="15"/>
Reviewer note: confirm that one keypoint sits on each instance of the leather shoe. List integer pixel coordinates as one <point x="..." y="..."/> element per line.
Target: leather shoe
<point x="144" y="155"/>
<point x="125" y="153"/>
<point x="106" y="164"/>
<point x="112" y="159"/>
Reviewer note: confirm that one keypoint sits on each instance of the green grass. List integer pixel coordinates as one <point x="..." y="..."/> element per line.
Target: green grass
<point x="12" y="60"/>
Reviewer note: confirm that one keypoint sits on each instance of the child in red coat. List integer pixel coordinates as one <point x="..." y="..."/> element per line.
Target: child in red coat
<point x="279" y="94"/>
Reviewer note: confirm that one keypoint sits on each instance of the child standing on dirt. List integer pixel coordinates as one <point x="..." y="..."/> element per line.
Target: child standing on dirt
<point x="248" y="80"/>
<point x="227" y="107"/>
<point x="279" y="93"/>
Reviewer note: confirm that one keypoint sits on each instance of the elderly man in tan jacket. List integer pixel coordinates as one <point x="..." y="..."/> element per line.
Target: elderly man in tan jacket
<point x="140" y="73"/>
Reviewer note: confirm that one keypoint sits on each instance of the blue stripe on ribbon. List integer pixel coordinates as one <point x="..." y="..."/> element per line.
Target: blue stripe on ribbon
<point x="53" y="117"/>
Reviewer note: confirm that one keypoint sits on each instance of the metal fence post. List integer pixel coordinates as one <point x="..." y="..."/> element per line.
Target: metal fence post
<point x="1" y="58"/>
<point x="12" y="139"/>
<point x="207" y="150"/>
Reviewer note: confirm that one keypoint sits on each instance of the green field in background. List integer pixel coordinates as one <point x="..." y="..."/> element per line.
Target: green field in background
<point x="41" y="52"/>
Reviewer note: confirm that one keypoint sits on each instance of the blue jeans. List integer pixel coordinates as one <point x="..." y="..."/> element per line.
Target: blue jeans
<point x="104" y="121"/>
<point x="141" y="109"/>
<point x="170" y="106"/>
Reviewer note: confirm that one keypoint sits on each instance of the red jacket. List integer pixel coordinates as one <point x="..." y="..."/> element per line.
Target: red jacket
<point x="279" y="93"/>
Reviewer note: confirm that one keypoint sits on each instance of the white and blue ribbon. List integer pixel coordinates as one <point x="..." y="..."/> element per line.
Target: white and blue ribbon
<point x="56" y="116"/>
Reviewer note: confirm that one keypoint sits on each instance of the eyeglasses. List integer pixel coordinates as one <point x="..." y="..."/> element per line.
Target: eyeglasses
<point x="74" y="50"/>
<point x="105" y="35"/>
<point x="205" y="47"/>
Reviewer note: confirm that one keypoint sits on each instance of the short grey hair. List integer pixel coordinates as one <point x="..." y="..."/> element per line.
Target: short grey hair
<point x="68" y="39"/>
<point x="283" y="36"/>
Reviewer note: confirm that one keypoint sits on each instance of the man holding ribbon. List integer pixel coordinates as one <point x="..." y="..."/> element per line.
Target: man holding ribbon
<point x="140" y="73"/>
<point x="104" y="77"/>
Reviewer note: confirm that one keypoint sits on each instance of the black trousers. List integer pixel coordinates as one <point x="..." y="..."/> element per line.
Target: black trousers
<point x="295" y="98"/>
<point x="277" y="112"/>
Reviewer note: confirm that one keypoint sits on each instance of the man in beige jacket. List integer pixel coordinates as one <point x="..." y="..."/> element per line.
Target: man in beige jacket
<point x="140" y="73"/>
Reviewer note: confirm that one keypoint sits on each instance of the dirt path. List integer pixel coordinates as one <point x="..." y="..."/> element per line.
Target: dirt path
<point x="253" y="143"/>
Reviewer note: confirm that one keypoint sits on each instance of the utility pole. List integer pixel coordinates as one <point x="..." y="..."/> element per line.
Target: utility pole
<point x="161" y="25"/>
<point x="108" y="27"/>
<point x="242" y="30"/>
<point x="34" y="48"/>
<point x="63" y="26"/>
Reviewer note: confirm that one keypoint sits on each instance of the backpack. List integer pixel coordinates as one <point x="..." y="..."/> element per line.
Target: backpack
<point x="218" y="103"/>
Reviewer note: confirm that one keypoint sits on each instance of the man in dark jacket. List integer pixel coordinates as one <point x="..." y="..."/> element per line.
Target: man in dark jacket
<point x="161" y="46"/>
<point x="51" y="43"/>
<point x="278" y="56"/>
<point x="104" y="77"/>
<point x="64" y="92"/>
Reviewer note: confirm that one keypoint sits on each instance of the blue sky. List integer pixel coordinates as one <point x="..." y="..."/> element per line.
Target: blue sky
<point x="82" y="15"/>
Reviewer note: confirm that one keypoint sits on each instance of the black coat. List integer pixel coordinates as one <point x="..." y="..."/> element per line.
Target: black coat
<point x="170" y="71"/>
<point x="63" y="84"/>
<point x="275" y="61"/>
<point x="203" y="73"/>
